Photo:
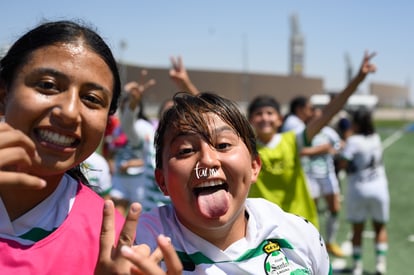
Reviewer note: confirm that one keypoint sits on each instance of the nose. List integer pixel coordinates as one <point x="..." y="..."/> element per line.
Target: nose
<point x="209" y="157"/>
<point x="67" y="109"/>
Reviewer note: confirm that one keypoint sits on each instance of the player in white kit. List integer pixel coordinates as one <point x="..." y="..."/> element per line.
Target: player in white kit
<point x="368" y="196"/>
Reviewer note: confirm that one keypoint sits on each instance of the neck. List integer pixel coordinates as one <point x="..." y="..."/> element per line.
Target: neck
<point x="266" y="138"/>
<point x="225" y="236"/>
<point x="20" y="199"/>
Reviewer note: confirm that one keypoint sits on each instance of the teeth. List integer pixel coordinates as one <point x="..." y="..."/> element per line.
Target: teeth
<point x="56" y="138"/>
<point x="210" y="183"/>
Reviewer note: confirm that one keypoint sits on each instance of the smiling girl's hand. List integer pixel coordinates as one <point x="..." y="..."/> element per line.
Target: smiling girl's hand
<point x="16" y="155"/>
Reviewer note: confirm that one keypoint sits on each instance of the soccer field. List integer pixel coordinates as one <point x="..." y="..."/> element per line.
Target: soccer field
<point x="399" y="163"/>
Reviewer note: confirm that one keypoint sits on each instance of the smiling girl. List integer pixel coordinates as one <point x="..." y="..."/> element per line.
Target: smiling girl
<point x="58" y="84"/>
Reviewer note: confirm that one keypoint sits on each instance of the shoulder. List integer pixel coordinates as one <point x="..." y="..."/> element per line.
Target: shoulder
<point x="263" y="210"/>
<point x="261" y="207"/>
<point x="289" y="135"/>
<point x="354" y="139"/>
<point x="331" y="132"/>
<point x="306" y="244"/>
<point x="302" y="233"/>
<point x="376" y="137"/>
<point x="88" y="199"/>
<point x="157" y="221"/>
<point x="96" y="161"/>
<point x="295" y="138"/>
<point x="293" y="123"/>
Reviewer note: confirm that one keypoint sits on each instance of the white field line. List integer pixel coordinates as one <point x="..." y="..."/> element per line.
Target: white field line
<point x="392" y="139"/>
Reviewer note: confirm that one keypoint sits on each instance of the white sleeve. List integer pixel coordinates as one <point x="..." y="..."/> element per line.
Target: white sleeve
<point x="317" y="251"/>
<point x="310" y="245"/>
<point x="97" y="172"/>
<point x="293" y="123"/>
<point x="350" y="148"/>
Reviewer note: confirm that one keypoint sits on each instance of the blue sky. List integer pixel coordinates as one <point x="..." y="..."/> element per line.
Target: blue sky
<point x="237" y="35"/>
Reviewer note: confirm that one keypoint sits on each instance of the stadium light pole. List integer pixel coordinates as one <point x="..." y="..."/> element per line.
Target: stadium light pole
<point x="123" y="69"/>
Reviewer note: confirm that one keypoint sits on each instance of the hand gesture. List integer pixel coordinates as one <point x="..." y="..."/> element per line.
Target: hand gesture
<point x="178" y="73"/>
<point x="126" y="258"/>
<point x="17" y="152"/>
<point x="147" y="263"/>
<point x="180" y="77"/>
<point x="366" y="66"/>
<point x="134" y="89"/>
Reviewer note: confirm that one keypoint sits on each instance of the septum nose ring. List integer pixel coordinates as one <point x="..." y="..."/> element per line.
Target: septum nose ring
<point x="204" y="172"/>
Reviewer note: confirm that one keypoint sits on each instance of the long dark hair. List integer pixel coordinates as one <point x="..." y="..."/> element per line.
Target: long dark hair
<point x="362" y="119"/>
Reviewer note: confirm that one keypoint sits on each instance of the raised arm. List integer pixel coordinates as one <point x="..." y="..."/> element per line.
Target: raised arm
<point x="180" y="77"/>
<point x="130" y="107"/>
<point x="340" y="100"/>
<point x="135" y="89"/>
<point x="317" y="150"/>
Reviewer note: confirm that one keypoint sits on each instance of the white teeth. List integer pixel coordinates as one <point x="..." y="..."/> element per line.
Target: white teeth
<point x="210" y="183"/>
<point x="56" y="138"/>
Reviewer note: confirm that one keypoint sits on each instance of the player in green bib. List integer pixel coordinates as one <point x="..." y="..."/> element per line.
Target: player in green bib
<point x="282" y="179"/>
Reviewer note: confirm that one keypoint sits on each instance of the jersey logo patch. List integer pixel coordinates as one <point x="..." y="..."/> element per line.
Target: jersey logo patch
<point x="276" y="262"/>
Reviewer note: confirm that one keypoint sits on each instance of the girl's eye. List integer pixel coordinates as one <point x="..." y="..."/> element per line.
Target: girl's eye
<point x="47" y="85"/>
<point x="185" y="151"/>
<point x="222" y="146"/>
<point x="92" y="99"/>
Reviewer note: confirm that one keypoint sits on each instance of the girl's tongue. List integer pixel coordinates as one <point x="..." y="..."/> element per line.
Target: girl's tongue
<point x="213" y="203"/>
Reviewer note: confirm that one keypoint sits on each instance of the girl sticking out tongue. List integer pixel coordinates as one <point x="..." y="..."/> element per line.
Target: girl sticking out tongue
<point x="206" y="161"/>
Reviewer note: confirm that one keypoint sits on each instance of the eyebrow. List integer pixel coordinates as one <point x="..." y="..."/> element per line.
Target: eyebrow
<point x="49" y="71"/>
<point x="224" y="128"/>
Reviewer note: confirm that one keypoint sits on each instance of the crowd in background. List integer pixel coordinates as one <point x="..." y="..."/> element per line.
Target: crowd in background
<point x="348" y="144"/>
<point x="234" y="191"/>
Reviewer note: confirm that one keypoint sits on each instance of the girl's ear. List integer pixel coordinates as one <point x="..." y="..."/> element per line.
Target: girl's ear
<point x="159" y="177"/>
<point x="256" y="166"/>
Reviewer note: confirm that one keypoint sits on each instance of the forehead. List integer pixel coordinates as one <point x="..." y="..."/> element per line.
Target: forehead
<point x="308" y="104"/>
<point x="265" y="109"/>
<point x="73" y="53"/>
<point x="74" y="60"/>
<point x="213" y="124"/>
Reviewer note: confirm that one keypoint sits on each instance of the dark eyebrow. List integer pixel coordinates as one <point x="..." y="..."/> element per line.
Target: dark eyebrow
<point x="191" y="133"/>
<point x="180" y="134"/>
<point x="49" y="71"/>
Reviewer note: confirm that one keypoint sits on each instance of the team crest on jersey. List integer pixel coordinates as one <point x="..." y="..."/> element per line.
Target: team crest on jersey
<point x="276" y="262"/>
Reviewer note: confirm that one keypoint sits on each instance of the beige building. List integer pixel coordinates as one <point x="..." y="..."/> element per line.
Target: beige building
<point x="391" y="95"/>
<point x="243" y="87"/>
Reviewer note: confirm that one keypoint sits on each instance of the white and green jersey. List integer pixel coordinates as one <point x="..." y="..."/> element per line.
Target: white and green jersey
<point x="322" y="165"/>
<point x="96" y="170"/>
<point x="276" y="242"/>
<point x="367" y="192"/>
<point x="364" y="154"/>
